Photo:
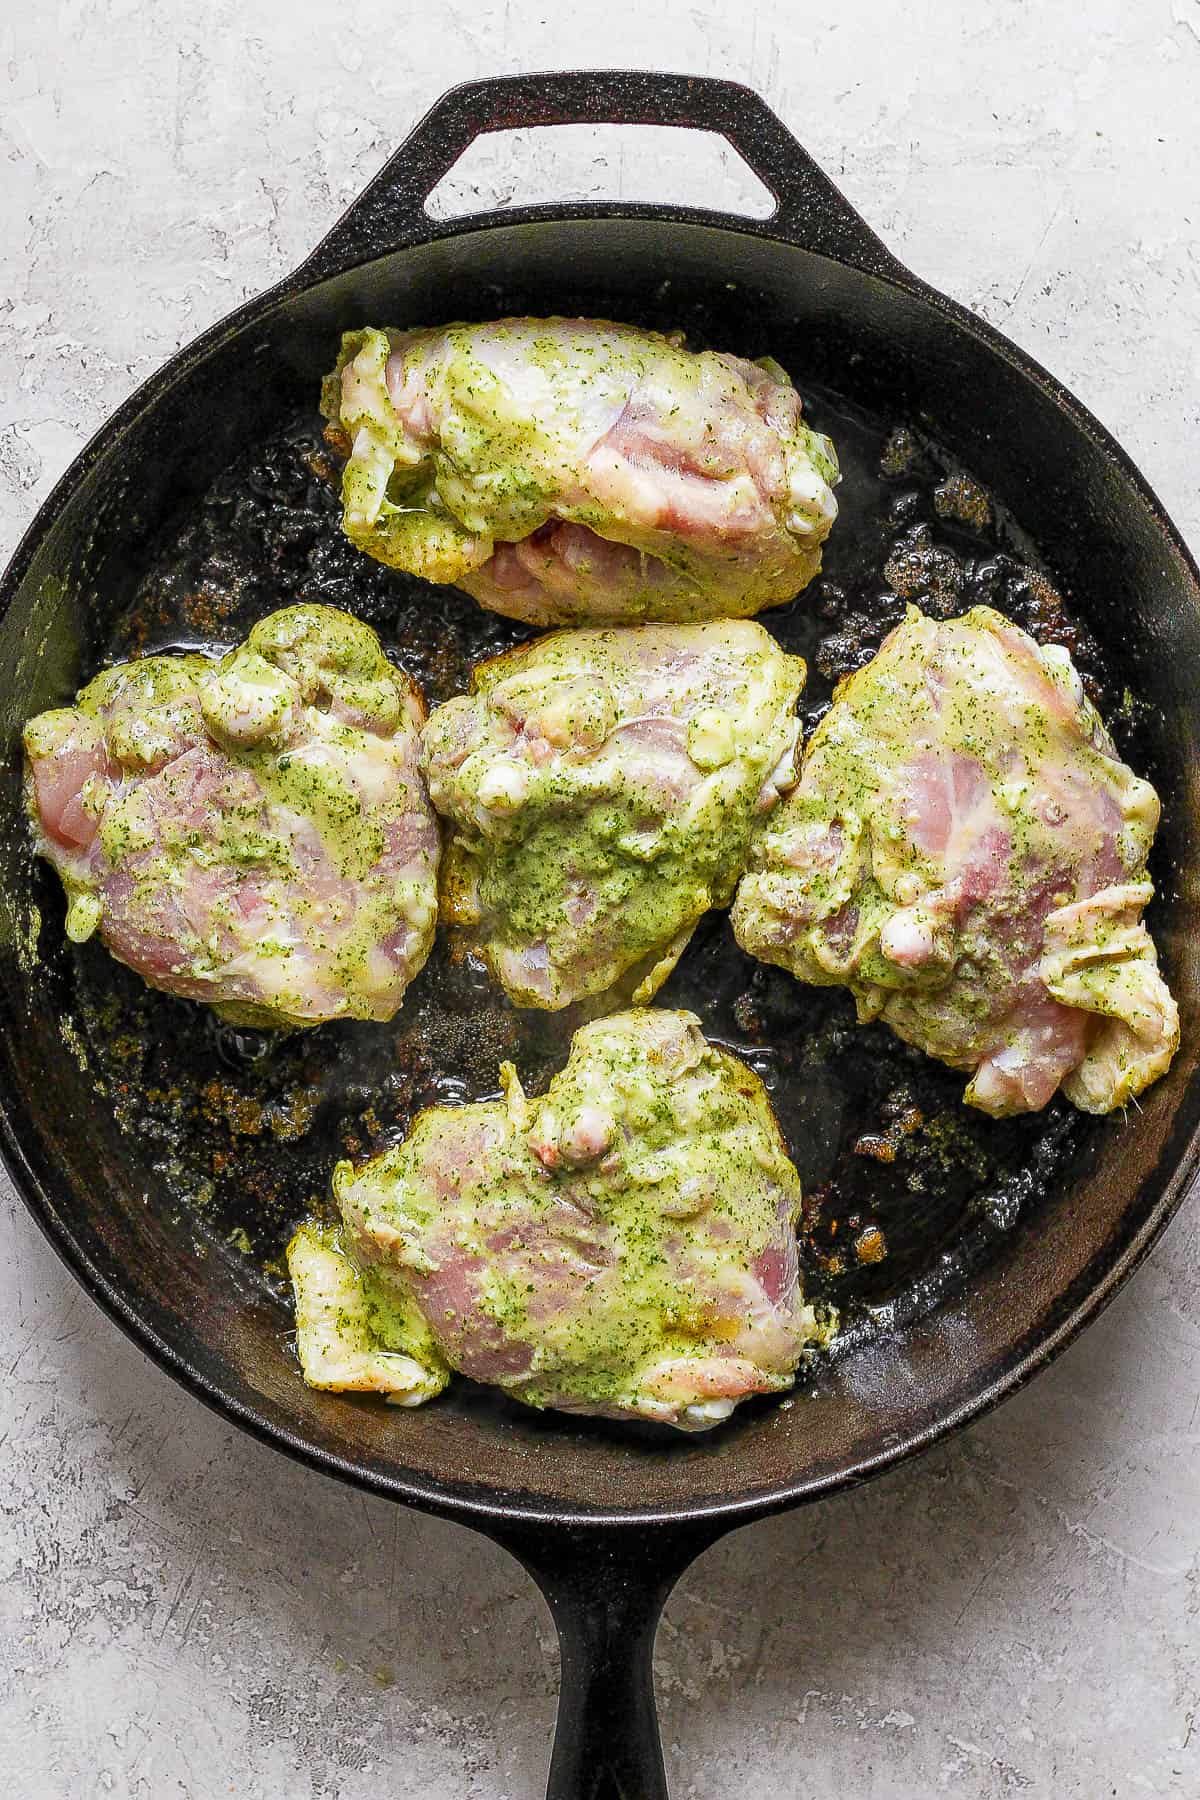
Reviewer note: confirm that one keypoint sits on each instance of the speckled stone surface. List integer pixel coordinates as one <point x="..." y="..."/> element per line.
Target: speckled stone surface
<point x="182" y="1612"/>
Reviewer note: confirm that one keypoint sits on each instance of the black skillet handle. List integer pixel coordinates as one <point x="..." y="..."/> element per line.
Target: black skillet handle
<point x="390" y="214"/>
<point x="606" y="1590"/>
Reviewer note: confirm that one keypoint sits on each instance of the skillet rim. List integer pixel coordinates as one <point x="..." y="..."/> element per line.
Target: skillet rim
<point x="484" y="1506"/>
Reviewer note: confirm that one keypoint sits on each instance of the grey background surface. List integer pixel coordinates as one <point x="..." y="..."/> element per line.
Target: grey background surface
<point x="182" y="1612"/>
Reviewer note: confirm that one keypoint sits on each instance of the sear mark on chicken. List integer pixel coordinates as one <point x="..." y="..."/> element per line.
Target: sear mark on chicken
<point x="966" y="853"/>
<point x="603" y="787"/>
<point x="252" y="832"/>
<point x="569" y="471"/>
<point x="624" y="1246"/>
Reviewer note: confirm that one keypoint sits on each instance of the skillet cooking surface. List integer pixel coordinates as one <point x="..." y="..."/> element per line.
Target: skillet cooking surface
<point x="244" y="1127"/>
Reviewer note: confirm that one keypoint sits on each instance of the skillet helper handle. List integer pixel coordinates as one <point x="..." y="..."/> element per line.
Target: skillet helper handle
<point x="390" y="213"/>
<point x="606" y="1592"/>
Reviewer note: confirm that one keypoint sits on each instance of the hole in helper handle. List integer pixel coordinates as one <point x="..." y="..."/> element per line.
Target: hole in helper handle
<point x="606" y="1590"/>
<point x="390" y="213"/>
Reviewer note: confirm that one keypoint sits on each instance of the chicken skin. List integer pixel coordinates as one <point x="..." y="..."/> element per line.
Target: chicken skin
<point x="965" y="851"/>
<point x="252" y="832"/>
<point x="571" y="471"/>
<point x="602" y="787"/>
<point x="623" y="1246"/>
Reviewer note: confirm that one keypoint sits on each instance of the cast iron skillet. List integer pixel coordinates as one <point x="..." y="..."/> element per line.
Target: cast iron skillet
<point x="604" y="1521"/>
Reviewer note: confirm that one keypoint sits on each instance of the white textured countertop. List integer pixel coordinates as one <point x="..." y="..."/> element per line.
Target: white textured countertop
<point x="184" y="1613"/>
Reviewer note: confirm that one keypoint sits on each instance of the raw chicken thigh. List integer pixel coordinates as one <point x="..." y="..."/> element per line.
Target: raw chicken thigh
<point x="625" y="1245"/>
<point x="252" y="832"/>
<point x="603" y="786"/>
<point x="967" y="854"/>
<point x="570" y="471"/>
